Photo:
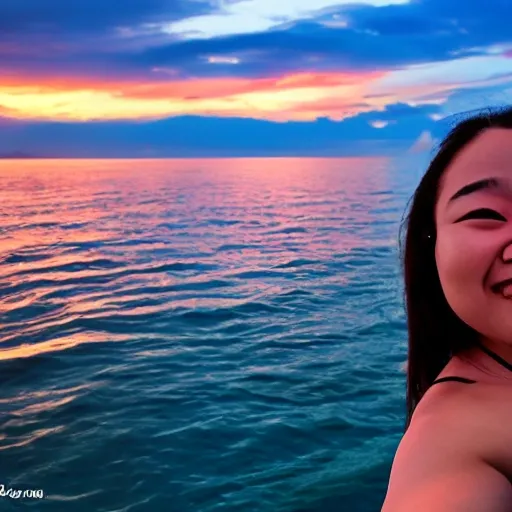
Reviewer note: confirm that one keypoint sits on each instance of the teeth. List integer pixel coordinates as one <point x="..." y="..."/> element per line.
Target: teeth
<point x="507" y="291"/>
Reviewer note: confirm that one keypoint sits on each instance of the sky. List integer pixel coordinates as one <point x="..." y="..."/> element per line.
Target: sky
<point x="160" y="78"/>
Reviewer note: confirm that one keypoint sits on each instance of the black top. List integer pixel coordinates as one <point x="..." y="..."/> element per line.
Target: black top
<point x="496" y="357"/>
<point x="490" y="353"/>
<point x="458" y="379"/>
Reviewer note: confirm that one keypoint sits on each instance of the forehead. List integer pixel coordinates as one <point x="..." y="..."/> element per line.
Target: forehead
<point x="488" y="155"/>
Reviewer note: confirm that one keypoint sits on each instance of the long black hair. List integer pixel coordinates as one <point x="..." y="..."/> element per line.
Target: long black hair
<point x="435" y="332"/>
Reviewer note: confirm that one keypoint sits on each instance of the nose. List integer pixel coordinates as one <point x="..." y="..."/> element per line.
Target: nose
<point x="507" y="253"/>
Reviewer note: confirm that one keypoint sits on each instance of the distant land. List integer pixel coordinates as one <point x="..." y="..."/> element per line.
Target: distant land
<point x="19" y="154"/>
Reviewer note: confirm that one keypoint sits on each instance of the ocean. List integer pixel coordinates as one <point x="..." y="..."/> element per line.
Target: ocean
<point x="201" y="335"/>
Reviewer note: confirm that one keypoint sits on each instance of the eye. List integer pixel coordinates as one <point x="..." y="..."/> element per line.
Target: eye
<point x="482" y="213"/>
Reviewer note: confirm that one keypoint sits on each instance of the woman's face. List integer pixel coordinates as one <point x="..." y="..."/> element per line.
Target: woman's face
<point x="474" y="251"/>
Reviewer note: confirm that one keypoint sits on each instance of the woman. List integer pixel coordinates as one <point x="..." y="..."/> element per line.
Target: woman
<point x="456" y="453"/>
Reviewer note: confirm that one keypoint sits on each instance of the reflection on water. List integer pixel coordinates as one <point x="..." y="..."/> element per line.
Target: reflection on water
<point x="206" y="330"/>
<point x="74" y="230"/>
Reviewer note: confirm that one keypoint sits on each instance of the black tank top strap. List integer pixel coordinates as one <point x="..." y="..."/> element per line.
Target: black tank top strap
<point x="495" y="356"/>
<point x="490" y="353"/>
<point x="457" y="379"/>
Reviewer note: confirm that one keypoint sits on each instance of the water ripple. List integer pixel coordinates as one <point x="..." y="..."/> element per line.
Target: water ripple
<point x="202" y="335"/>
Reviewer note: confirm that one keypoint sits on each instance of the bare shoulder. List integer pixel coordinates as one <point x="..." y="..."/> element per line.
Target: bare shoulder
<point x="441" y="462"/>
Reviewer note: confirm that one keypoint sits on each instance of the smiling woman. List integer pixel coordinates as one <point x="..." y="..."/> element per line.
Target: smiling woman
<point x="455" y="454"/>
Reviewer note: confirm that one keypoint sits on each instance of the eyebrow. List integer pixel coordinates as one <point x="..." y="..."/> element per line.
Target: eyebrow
<point x="485" y="184"/>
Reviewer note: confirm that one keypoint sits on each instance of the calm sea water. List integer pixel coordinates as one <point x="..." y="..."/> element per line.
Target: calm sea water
<point x="201" y="335"/>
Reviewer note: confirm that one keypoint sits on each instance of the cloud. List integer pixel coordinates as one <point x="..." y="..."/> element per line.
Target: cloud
<point x="371" y="38"/>
<point x="249" y="16"/>
<point x="78" y="35"/>
<point x="64" y="16"/>
<point x="306" y="46"/>
<point x="461" y="70"/>
<point x="465" y="99"/>
<point x="464" y="22"/>
<point x="294" y="96"/>
<point x="298" y="96"/>
<point x="425" y="142"/>
<point x="99" y="38"/>
<point x="223" y="60"/>
<point x="437" y="82"/>
<point x="379" y="124"/>
<point x="210" y="136"/>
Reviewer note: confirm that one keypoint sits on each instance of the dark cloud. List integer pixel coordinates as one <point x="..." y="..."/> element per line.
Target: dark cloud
<point x="212" y="136"/>
<point x="376" y="38"/>
<point x="63" y="37"/>
<point x="74" y="37"/>
<point x="460" y="21"/>
<point x="62" y="16"/>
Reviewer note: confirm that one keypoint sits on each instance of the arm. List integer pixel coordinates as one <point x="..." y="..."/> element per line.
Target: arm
<point x="439" y="467"/>
<point x="475" y="487"/>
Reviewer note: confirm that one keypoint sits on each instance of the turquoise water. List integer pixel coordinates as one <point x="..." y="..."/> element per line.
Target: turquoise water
<point x="201" y="335"/>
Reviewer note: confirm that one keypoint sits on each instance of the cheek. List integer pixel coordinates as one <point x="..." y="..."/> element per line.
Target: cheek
<point x="462" y="263"/>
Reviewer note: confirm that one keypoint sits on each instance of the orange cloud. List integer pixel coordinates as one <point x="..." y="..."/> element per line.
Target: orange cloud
<point x="299" y="96"/>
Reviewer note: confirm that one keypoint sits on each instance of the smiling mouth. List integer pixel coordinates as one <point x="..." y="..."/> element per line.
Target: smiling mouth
<point x="504" y="288"/>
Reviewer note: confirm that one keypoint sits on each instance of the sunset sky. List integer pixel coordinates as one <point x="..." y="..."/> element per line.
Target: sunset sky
<point x="245" y="77"/>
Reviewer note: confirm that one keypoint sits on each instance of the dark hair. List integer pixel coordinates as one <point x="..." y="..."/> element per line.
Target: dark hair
<point x="435" y="332"/>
